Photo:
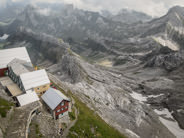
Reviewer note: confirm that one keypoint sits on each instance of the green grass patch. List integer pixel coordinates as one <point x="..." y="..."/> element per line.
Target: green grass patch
<point x="72" y="114"/>
<point x="5" y="106"/>
<point x="89" y="124"/>
<point x="2" y="45"/>
<point x="86" y="96"/>
<point x="64" y="125"/>
<point x="136" y="72"/>
<point x="37" y="130"/>
<point x="3" y="24"/>
<point x="34" y="130"/>
<point x="7" y="22"/>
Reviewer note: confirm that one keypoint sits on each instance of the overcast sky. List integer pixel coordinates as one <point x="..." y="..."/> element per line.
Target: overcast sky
<point x="151" y="7"/>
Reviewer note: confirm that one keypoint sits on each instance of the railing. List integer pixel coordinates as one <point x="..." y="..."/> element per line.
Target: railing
<point x="31" y="115"/>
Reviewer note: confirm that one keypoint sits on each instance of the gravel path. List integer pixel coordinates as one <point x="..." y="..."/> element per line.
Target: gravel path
<point x="72" y="123"/>
<point x="66" y="131"/>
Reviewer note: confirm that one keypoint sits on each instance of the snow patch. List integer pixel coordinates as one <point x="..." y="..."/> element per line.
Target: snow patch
<point x="165" y="112"/>
<point x="170" y="44"/>
<point x="45" y="11"/>
<point x="155" y="96"/>
<point x="178" y="16"/>
<point x="143" y="99"/>
<point x="4" y="37"/>
<point x="180" y="110"/>
<point x="139" y="97"/>
<point x="133" y="134"/>
<point x="171" y="125"/>
<point x="105" y="63"/>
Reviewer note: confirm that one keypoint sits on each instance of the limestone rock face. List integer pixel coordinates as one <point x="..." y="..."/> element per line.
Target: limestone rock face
<point x="71" y="69"/>
<point x="146" y="58"/>
<point x="168" y="61"/>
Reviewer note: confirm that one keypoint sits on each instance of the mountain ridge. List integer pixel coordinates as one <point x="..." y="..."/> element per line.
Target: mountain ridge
<point x="140" y="56"/>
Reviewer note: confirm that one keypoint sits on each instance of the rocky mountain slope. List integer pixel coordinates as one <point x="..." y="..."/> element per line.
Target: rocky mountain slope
<point x="85" y="30"/>
<point x="81" y="28"/>
<point x="130" y="16"/>
<point x="145" y="64"/>
<point x="111" y="100"/>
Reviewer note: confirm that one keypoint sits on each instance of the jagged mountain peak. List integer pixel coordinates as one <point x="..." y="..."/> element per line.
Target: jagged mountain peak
<point x="130" y="11"/>
<point x="172" y="21"/>
<point x="112" y="44"/>
<point x="175" y="15"/>
<point x="34" y="9"/>
<point x="131" y="16"/>
<point x="177" y="9"/>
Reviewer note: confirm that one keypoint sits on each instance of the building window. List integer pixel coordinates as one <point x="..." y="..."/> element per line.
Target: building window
<point x="38" y="88"/>
<point x="58" y="111"/>
<point x="62" y="104"/>
<point x="66" y="107"/>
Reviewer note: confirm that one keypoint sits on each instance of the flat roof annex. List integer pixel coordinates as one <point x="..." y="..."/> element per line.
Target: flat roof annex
<point x="27" y="98"/>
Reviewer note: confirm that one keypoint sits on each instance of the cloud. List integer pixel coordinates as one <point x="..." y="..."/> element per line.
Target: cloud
<point x="17" y="0"/>
<point x="45" y="11"/>
<point x="3" y="3"/>
<point x="151" y="7"/>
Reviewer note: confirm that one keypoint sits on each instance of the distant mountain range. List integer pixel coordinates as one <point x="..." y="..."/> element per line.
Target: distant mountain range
<point x="143" y="54"/>
<point x="84" y="30"/>
<point x="130" y="16"/>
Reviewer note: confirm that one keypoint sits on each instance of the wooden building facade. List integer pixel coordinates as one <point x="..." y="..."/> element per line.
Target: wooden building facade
<point x="3" y="71"/>
<point x="57" y="103"/>
<point x="61" y="109"/>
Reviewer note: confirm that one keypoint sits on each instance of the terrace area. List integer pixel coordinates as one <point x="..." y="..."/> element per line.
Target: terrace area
<point x="10" y="86"/>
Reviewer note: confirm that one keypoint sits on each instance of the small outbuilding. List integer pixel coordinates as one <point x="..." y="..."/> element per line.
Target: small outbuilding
<point x="56" y="102"/>
<point x="27" y="98"/>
